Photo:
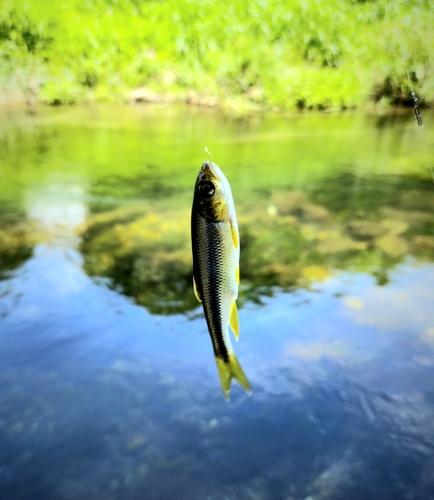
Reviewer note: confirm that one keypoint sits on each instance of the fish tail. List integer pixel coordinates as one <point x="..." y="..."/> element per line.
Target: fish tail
<point x="228" y="370"/>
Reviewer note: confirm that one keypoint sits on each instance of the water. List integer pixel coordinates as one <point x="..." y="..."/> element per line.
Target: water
<point x="108" y="387"/>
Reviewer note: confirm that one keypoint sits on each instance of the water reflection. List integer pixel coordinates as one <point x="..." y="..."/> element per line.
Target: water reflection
<point x="103" y="398"/>
<point x="16" y="238"/>
<point x="57" y="207"/>
<point x="289" y="238"/>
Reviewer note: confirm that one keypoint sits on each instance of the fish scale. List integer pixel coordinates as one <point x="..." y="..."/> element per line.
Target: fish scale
<point x="214" y="286"/>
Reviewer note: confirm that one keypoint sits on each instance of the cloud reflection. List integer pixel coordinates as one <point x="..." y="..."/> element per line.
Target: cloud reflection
<point x="387" y="308"/>
<point x="58" y="206"/>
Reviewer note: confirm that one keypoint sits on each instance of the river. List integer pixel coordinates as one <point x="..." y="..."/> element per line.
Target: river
<point x="108" y="386"/>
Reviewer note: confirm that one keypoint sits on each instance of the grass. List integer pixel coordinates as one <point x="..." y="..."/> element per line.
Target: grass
<point x="315" y="54"/>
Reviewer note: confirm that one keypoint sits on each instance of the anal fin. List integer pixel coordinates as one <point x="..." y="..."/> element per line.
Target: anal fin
<point x="233" y="321"/>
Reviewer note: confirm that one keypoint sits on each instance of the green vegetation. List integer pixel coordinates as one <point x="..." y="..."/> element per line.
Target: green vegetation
<point x="282" y="54"/>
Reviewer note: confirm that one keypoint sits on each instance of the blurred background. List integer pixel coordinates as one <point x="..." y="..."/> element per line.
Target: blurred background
<point x="291" y="54"/>
<point x="108" y="386"/>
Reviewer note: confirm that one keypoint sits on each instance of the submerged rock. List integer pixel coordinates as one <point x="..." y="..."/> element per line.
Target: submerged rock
<point x="424" y="242"/>
<point x="408" y="216"/>
<point x="393" y="245"/>
<point x="366" y="229"/>
<point x="395" y="226"/>
<point x="333" y="242"/>
<point x="316" y="213"/>
<point x="419" y="200"/>
<point x="289" y="202"/>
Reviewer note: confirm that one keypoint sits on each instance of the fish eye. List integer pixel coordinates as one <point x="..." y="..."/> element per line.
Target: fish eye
<point x="206" y="189"/>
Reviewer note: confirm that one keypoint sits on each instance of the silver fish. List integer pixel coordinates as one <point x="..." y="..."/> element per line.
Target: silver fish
<point x="216" y="255"/>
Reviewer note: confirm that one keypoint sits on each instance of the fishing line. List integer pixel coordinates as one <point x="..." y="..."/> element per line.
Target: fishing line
<point x="205" y="147"/>
<point x="417" y="114"/>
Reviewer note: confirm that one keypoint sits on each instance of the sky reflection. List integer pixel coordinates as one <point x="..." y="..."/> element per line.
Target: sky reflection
<point x="115" y="400"/>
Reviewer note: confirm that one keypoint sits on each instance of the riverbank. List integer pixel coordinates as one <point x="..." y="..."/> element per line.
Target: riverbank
<point x="280" y="55"/>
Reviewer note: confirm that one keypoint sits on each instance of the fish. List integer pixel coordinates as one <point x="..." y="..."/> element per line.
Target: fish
<point x="216" y="276"/>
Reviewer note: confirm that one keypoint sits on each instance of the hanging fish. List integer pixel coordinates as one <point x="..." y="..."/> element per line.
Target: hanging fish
<point x="216" y="255"/>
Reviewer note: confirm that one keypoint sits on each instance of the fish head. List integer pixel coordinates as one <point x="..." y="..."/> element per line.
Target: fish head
<point x="212" y="194"/>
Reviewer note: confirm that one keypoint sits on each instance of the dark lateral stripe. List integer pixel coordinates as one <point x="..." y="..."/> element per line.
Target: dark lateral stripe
<point x="207" y="268"/>
<point x="215" y="327"/>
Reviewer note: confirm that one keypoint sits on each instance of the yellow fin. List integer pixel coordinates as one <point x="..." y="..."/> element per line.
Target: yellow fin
<point x="229" y="370"/>
<point x="195" y="290"/>
<point x="233" y="322"/>
<point x="235" y="237"/>
<point x="237" y="275"/>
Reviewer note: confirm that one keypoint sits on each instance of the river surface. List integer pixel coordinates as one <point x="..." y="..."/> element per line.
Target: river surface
<point x="108" y="385"/>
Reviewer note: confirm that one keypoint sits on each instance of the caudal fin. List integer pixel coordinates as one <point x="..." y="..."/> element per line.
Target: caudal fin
<point x="228" y="370"/>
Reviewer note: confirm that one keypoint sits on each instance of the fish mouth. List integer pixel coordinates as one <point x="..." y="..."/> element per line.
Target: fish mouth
<point x="209" y="171"/>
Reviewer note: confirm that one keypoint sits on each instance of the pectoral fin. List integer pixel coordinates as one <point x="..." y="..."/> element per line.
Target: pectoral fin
<point x="235" y="236"/>
<point x="233" y="322"/>
<point x="195" y="290"/>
